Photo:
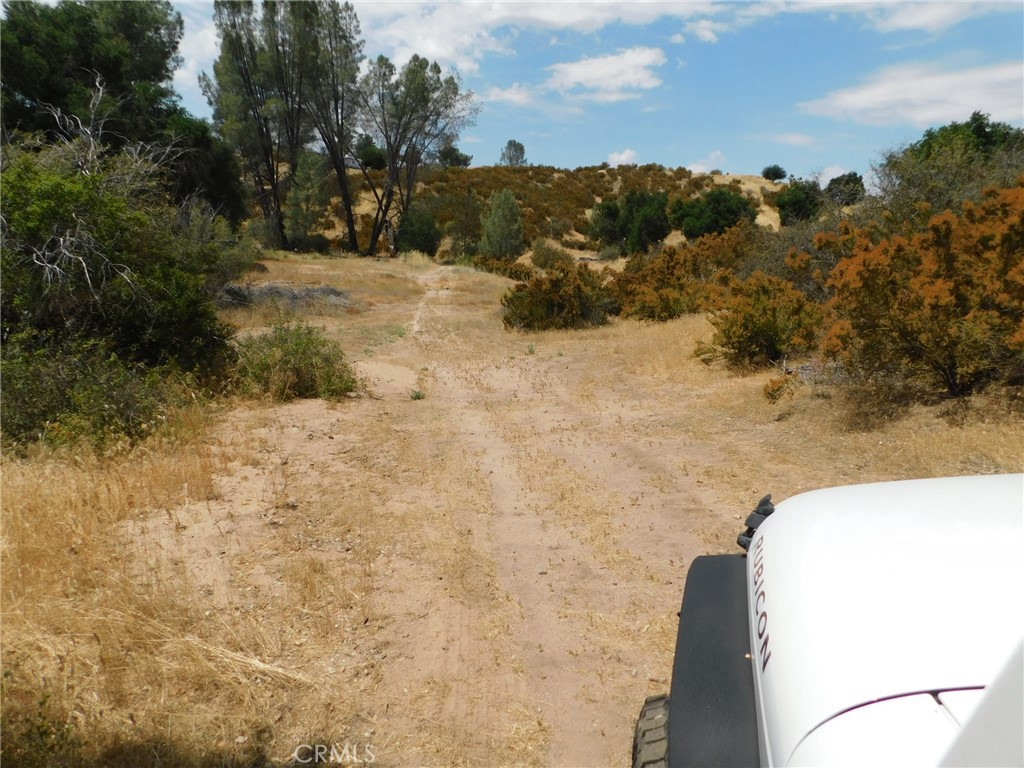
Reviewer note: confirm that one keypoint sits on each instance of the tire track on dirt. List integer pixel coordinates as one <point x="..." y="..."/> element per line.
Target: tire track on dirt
<point x="578" y="543"/>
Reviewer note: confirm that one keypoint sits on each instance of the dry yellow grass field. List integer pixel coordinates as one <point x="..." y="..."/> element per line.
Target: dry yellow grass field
<point x="478" y="561"/>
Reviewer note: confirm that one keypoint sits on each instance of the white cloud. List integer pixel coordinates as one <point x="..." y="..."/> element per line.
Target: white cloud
<point x="706" y="30"/>
<point x="922" y="96"/>
<point x="714" y="161"/>
<point x="517" y="93"/>
<point x="884" y="15"/>
<point x="928" y="17"/>
<point x="678" y="39"/>
<point x="608" y="78"/>
<point x="625" y="157"/>
<point x="830" y="172"/>
<point x="462" y="34"/>
<point x="199" y="48"/>
<point x="793" y="139"/>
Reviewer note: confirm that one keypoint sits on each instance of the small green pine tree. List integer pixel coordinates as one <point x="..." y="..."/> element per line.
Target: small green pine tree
<point x="502" y="226"/>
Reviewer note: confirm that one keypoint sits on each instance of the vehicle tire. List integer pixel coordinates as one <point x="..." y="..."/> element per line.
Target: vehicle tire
<point x="650" y="743"/>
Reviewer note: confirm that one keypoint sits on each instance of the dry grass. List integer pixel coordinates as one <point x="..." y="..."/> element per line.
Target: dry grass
<point x="96" y="639"/>
<point x="116" y="649"/>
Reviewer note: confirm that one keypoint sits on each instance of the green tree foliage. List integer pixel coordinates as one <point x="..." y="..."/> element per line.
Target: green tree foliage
<point x="565" y="296"/>
<point x="502" y="228"/>
<point x="329" y="31"/>
<point x="979" y="133"/>
<point x="607" y="224"/>
<point x="944" y="306"/>
<point x="632" y="223"/>
<point x="513" y="155"/>
<point x="450" y="157"/>
<point x="419" y="230"/>
<point x="242" y="93"/>
<point x="846" y="189"/>
<point x="54" y="55"/>
<point x="369" y="155"/>
<point x="800" y="201"/>
<point x="203" y="165"/>
<point x="410" y="114"/>
<point x="713" y="212"/>
<point x="949" y="165"/>
<point x="773" y="173"/>
<point x="465" y="226"/>
<point x="306" y="208"/>
<point x="111" y="65"/>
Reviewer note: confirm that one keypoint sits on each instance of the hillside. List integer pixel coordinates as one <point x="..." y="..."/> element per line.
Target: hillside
<point x="557" y="202"/>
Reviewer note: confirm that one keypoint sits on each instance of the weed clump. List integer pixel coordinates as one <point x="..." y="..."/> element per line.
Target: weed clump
<point x="294" y="361"/>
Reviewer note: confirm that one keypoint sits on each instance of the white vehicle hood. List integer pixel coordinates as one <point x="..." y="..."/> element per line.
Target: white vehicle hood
<point x="874" y="592"/>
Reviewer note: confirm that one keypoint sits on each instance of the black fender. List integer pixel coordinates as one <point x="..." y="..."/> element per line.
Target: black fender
<point x="712" y="719"/>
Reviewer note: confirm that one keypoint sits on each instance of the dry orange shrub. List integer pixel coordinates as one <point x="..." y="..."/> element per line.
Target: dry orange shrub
<point x="944" y="306"/>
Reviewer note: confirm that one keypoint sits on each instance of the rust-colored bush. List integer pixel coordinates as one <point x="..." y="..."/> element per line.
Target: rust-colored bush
<point x="569" y="296"/>
<point x="678" y="281"/>
<point x="764" y="320"/>
<point x="944" y="306"/>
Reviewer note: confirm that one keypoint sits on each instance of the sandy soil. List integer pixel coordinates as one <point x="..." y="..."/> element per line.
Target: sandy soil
<point x="485" y="555"/>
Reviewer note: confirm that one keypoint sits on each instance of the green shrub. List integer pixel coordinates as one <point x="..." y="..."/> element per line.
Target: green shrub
<point x="78" y="390"/>
<point x="546" y="257"/>
<point x="569" y="296"/>
<point x="419" y="231"/>
<point x="799" y="201"/>
<point x="294" y="361"/>
<point x="764" y="320"/>
<point x="92" y="250"/>
<point x="316" y="243"/>
<point x="714" y="212"/>
<point x="634" y="223"/>
<point x="502" y="227"/>
<point x="846" y="189"/>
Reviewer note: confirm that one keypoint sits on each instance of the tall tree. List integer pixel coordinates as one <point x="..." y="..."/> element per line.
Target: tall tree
<point x="287" y="47"/>
<point x="451" y="156"/>
<point x="239" y="93"/>
<point x="332" y="31"/>
<point x="410" y="114"/>
<point x="108" y="66"/>
<point x="257" y="93"/>
<point x="514" y="154"/>
<point x="949" y="165"/>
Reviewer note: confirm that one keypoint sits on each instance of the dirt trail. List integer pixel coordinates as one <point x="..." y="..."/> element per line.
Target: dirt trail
<point x="580" y="523"/>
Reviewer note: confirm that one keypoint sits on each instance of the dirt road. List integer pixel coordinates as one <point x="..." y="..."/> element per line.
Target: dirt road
<point x="480" y="561"/>
<point x="569" y="524"/>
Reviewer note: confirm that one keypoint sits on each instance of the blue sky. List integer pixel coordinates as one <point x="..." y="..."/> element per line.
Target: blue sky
<point x="819" y="87"/>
